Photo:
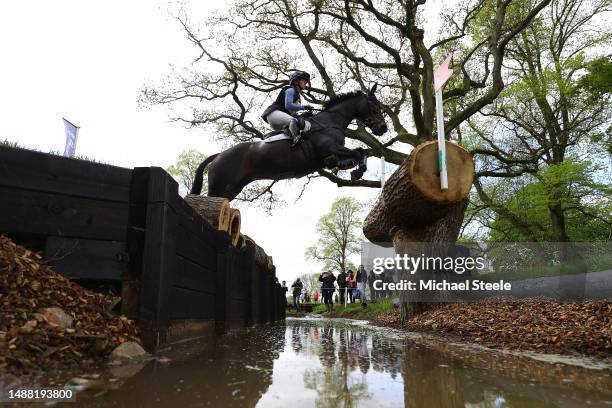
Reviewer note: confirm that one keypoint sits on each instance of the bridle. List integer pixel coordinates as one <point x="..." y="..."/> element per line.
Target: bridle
<point x="370" y="122"/>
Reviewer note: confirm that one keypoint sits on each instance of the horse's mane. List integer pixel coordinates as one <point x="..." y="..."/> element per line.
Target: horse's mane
<point x="335" y="100"/>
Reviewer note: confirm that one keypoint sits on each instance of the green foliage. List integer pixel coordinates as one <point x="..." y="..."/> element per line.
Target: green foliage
<point x="585" y="202"/>
<point x="8" y="143"/>
<point x="598" y="80"/>
<point x="311" y="283"/>
<point x="356" y="310"/>
<point x="592" y="264"/>
<point x="484" y="21"/>
<point x="338" y="232"/>
<point x="185" y="167"/>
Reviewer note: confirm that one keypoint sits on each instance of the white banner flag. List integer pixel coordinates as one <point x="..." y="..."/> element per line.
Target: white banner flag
<point x="72" y="132"/>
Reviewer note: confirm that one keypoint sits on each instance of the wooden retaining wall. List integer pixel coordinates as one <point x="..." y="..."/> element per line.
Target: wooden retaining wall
<point x="177" y="274"/>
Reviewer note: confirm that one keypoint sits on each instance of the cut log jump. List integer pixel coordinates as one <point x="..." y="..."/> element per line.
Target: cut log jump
<point x="412" y="198"/>
<point x="215" y="210"/>
<point x="413" y="210"/>
<point x="234" y="226"/>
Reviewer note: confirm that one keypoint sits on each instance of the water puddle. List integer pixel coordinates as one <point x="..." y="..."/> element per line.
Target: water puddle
<point x="331" y="363"/>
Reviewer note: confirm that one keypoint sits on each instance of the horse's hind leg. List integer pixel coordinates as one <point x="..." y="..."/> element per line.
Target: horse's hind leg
<point x="226" y="184"/>
<point x="225" y="188"/>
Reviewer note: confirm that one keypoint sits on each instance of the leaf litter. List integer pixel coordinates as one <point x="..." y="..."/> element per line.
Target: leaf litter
<point x="29" y="342"/>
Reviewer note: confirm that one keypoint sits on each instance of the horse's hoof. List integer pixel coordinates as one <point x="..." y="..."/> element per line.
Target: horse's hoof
<point x="356" y="175"/>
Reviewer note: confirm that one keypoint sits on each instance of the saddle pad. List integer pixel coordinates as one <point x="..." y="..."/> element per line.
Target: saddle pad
<point x="276" y="138"/>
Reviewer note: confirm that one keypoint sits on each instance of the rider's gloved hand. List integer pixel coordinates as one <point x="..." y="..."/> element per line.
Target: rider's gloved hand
<point x="308" y="107"/>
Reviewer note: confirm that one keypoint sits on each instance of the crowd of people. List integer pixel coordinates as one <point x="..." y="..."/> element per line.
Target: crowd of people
<point x="346" y="287"/>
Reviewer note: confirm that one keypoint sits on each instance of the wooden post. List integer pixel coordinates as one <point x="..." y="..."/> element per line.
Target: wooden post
<point x="159" y="255"/>
<point x="135" y="242"/>
<point x="224" y="265"/>
<point x="252" y="293"/>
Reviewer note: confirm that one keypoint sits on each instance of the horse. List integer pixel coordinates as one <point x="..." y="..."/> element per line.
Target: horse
<point x="321" y="147"/>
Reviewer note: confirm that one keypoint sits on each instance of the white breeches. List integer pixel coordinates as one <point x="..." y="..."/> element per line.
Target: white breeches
<point x="279" y="120"/>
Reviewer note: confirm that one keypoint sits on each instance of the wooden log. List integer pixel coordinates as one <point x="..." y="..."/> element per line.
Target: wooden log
<point x="215" y="210"/>
<point x="234" y="226"/>
<point x="241" y="243"/>
<point x="261" y="258"/>
<point x="412" y="197"/>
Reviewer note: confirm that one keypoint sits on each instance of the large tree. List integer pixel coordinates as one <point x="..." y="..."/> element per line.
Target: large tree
<point x="245" y="55"/>
<point x="548" y="127"/>
<point x="338" y="232"/>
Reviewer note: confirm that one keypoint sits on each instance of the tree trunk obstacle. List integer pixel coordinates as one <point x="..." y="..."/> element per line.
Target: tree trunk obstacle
<point x="215" y="210"/>
<point x="262" y="259"/>
<point x="218" y="213"/>
<point x="414" y="213"/>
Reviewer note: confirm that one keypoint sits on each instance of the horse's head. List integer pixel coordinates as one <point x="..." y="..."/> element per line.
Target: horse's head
<point x="371" y="114"/>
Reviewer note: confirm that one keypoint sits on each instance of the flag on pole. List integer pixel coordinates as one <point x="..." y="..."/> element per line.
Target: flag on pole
<point x="441" y="75"/>
<point x="382" y="172"/>
<point x="72" y="132"/>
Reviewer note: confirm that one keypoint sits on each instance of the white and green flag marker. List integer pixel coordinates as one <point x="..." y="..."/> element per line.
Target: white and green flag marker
<point x="441" y="75"/>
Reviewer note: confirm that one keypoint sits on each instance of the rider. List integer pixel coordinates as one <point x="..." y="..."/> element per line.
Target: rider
<point x="282" y="112"/>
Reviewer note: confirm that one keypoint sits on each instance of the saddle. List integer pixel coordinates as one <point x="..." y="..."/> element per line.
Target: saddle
<point x="285" y="134"/>
<point x="277" y="135"/>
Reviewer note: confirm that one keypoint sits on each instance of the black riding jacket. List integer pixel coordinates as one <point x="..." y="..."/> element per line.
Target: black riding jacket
<point x="279" y="103"/>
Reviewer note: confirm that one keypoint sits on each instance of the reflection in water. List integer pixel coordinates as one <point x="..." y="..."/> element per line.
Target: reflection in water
<point x="324" y="363"/>
<point x="332" y="381"/>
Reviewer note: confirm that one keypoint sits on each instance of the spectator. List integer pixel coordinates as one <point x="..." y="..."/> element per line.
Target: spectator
<point x="351" y="284"/>
<point x="297" y="291"/>
<point x="362" y="278"/>
<point x="327" y="289"/>
<point x="387" y="277"/>
<point x="371" y="278"/>
<point x="316" y="296"/>
<point x="342" y="286"/>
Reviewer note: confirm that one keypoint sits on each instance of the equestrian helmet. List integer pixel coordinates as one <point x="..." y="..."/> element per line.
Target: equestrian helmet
<point x="297" y="75"/>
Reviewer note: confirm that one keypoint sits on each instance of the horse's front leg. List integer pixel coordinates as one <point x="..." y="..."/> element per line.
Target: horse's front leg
<point x="362" y="164"/>
<point x="349" y="158"/>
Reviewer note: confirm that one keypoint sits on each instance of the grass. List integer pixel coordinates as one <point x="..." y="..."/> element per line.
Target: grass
<point x="356" y="311"/>
<point x="16" y="145"/>
<point x="294" y="313"/>
<point x="593" y="264"/>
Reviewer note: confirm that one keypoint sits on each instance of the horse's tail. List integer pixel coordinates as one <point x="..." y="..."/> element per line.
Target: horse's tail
<point x="199" y="175"/>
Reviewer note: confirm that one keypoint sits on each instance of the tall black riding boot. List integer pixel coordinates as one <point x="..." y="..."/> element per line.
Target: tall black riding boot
<point x="295" y="127"/>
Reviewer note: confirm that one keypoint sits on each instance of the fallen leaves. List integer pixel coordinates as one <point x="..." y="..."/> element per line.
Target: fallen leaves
<point x="29" y="340"/>
<point x="538" y="324"/>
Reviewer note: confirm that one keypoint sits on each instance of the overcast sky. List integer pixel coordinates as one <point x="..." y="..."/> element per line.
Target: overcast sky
<point x="87" y="61"/>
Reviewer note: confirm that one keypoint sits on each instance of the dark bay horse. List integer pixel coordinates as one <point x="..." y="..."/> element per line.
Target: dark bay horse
<point x="323" y="146"/>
